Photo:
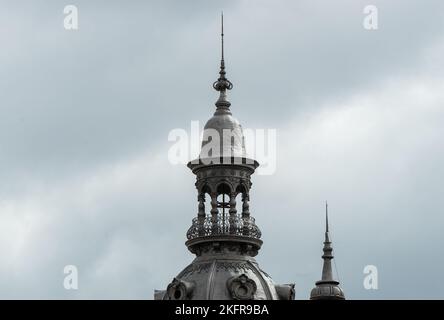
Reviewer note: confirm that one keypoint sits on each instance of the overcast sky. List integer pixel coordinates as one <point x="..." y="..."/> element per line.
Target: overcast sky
<point x="85" y="115"/>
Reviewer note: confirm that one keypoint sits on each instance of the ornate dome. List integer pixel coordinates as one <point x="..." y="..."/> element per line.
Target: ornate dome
<point x="327" y="290"/>
<point x="223" y="137"/>
<point x="225" y="273"/>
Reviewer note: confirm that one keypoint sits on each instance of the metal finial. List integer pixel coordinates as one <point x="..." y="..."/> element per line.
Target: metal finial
<point x="326" y="216"/>
<point x="222" y="34"/>
<point x="222" y="84"/>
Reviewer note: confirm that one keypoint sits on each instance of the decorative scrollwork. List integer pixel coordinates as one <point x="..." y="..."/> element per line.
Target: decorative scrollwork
<point x="222" y="84"/>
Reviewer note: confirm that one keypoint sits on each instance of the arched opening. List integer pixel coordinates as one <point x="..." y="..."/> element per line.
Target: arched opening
<point x="241" y="193"/>
<point x="205" y="194"/>
<point x="223" y="205"/>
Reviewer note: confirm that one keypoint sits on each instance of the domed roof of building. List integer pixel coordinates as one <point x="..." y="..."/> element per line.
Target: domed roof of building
<point x="223" y="137"/>
<point x="222" y="279"/>
<point x="327" y="290"/>
<point x="225" y="274"/>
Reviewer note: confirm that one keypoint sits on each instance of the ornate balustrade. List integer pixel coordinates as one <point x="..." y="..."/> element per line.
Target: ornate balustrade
<point x="228" y="225"/>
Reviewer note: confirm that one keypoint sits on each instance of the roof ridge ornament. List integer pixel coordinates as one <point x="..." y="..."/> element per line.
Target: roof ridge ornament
<point x="222" y="84"/>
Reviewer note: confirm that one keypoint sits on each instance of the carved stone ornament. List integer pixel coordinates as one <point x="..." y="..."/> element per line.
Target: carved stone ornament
<point x="241" y="287"/>
<point x="285" y="291"/>
<point x="179" y="289"/>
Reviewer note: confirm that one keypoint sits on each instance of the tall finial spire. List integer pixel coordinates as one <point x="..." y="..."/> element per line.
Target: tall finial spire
<point x="222" y="84"/>
<point x="327" y="281"/>
<point x="222" y="34"/>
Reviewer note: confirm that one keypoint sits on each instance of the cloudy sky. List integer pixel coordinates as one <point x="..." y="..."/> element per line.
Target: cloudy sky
<point x="85" y="115"/>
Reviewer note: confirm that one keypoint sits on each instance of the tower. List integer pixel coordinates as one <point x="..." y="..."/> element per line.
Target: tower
<point x="327" y="288"/>
<point x="224" y="239"/>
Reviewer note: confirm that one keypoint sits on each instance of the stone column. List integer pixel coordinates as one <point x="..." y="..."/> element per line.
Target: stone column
<point x="201" y="214"/>
<point x="245" y="206"/>
<point x="214" y="213"/>
<point x="233" y="212"/>
<point x="245" y="214"/>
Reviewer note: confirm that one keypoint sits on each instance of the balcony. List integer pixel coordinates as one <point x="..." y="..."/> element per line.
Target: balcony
<point x="224" y="225"/>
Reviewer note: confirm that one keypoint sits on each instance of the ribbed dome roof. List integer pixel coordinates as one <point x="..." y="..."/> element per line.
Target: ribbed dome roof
<point x="225" y="279"/>
<point x="225" y="275"/>
<point x="223" y="137"/>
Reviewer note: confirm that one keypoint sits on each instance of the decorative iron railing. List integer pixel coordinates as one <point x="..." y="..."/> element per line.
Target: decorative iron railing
<point x="228" y="225"/>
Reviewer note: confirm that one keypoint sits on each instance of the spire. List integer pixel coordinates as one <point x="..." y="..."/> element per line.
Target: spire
<point x="327" y="236"/>
<point x="327" y="273"/>
<point x="327" y="287"/>
<point x="222" y="84"/>
<point x="222" y="38"/>
<point x="326" y="218"/>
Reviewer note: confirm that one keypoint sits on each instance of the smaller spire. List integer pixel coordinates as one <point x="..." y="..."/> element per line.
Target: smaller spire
<point x="222" y="84"/>
<point x="327" y="236"/>
<point x="326" y="216"/>
<point x="327" y="273"/>
<point x="327" y="287"/>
